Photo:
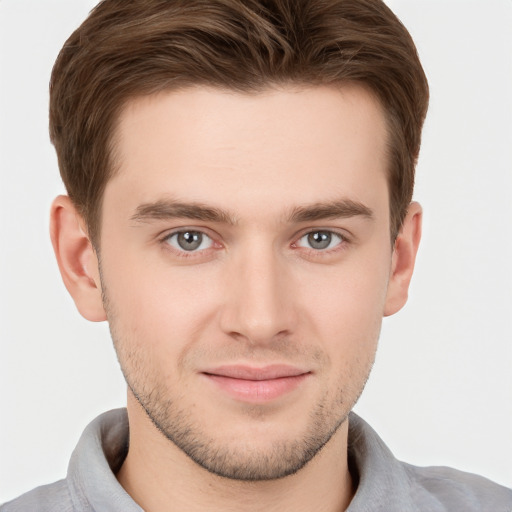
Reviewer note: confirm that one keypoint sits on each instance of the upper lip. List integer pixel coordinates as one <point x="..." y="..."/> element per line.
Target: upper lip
<point x="245" y="372"/>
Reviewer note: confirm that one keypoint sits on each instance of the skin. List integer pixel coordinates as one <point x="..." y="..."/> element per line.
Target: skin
<point x="261" y="178"/>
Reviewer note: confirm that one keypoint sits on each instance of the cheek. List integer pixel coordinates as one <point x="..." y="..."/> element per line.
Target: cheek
<point x="350" y="297"/>
<point x="345" y="311"/>
<point x="158" y="306"/>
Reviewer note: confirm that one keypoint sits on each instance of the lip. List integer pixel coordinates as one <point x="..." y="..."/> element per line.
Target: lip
<point x="256" y="384"/>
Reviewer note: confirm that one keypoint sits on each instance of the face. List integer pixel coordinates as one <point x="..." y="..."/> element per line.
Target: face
<point x="245" y="261"/>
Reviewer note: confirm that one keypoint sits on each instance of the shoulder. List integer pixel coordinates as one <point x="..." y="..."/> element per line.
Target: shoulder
<point x="47" y="498"/>
<point x="451" y="489"/>
<point x="386" y="484"/>
<point x="90" y="483"/>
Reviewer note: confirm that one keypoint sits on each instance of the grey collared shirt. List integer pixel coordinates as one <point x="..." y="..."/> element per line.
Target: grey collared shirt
<point x="384" y="483"/>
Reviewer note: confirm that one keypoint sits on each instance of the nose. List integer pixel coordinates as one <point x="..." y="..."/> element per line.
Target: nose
<point x="259" y="298"/>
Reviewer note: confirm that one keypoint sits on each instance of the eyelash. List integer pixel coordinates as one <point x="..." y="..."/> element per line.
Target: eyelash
<point x="182" y="253"/>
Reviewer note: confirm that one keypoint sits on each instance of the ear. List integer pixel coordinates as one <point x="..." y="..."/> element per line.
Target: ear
<point x="77" y="259"/>
<point x="402" y="263"/>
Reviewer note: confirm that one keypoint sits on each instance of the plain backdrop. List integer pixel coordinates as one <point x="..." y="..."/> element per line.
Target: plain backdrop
<point x="441" y="389"/>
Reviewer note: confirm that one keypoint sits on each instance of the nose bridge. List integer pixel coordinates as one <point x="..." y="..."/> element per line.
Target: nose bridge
<point x="259" y="299"/>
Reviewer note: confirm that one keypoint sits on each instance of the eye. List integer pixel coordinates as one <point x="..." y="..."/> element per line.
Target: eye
<point x="189" y="241"/>
<point x="320" y="240"/>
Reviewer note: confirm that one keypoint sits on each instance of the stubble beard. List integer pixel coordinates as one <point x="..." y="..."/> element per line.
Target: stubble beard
<point x="242" y="462"/>
<point x="281" y="459"/>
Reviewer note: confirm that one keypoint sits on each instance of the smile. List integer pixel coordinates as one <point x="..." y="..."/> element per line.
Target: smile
<point x="257" y="385"/>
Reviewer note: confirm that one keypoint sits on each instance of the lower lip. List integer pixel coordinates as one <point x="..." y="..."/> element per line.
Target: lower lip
<point x="257" y="390"/>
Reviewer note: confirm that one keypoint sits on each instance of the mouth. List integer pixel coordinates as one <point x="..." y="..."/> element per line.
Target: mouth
<point x="256" y="385"/>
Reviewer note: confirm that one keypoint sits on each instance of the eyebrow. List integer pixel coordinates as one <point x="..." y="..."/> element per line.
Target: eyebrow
<point x="170" y="209"/>
<point x="330" y="210"/>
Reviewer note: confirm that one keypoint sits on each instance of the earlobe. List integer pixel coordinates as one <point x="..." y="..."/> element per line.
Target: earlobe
<point x="77" y="259"/>
<point x="404" y="257"/>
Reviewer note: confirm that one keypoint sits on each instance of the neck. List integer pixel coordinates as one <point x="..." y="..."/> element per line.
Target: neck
<point x="161" y="478"/>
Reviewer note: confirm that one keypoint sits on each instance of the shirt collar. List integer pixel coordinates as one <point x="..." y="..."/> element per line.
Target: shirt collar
<point x="94" y="463"/>
<point x="383" y="481"/>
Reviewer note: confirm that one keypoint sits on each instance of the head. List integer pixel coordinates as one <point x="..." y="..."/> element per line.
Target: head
<point x="236" y="171"/>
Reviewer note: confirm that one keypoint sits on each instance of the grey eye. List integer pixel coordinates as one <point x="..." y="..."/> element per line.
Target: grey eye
<point x="320" y="240"/>
<point x="189" y="241"/>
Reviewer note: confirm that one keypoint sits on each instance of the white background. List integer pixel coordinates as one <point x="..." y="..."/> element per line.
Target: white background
<point x="441" y="390"/>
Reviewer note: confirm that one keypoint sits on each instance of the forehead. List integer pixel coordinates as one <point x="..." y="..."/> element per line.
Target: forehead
<point x="279" y="147"/>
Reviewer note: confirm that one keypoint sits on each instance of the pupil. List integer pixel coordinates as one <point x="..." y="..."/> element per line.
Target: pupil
<point x="319" y="239"/>
<point x="190" y="240"/>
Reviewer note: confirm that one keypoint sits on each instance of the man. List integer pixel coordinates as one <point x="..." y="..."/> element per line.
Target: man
<point x="240" y="179"/>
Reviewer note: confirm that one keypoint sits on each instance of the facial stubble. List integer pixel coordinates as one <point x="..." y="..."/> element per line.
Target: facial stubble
<point x="281" y="457"/>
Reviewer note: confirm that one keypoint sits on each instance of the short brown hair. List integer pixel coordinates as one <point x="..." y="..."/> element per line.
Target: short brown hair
<point x="128" y="48"/>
